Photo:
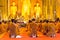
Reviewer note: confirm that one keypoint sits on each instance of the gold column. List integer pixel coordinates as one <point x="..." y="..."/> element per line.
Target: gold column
<point x="1" y="6"/>
<point x="58" y="8"/>
<point x="47" y="9"/>
<point x="54" y="9"/>
<point x="8" y="9"/>
<point x="44" y="9"/>
<point x="4" y="9"/>
<point x="1" y="9"/>
<point x="19" y="11"/>
<point x="51" y="15"/>
<point x="51" y="9"/>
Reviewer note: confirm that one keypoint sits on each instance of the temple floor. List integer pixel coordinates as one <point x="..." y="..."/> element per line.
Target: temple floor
<point x="24" y="35"/>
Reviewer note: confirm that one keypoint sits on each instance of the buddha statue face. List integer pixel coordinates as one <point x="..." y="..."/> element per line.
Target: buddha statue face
<point x="13" y="3"/>
<point x="37" y="4"/>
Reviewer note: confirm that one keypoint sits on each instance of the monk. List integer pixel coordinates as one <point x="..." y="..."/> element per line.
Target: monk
<point x="33" y="28"/>
<point x="39" y="26"/>
<point x="51" y="29"/>
<point x="45" y="27"/>
<point x="58" y="27"/>
<point x="13" y="29"/>
<point x="5" y="26"/>
<point x="1" y="28"/>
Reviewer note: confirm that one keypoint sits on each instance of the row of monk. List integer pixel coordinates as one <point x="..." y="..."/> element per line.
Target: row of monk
<point x="48" y="28"/>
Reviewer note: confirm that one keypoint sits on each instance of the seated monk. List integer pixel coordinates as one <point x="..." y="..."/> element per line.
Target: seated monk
<point x="1" y="28"/>
<point x="5" y="26"/>
<point x="58" y="27"/>
<point x="39" y="26"/>
<point x="45" y="27"/>
<point x="13" y="29"/>
<point x="32" y="28"/>
<point x="51" y="29"/>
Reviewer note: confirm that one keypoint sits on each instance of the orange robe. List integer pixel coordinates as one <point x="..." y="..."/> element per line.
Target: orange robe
<point x="32" y="28"/>
<point x="58" y="27"/>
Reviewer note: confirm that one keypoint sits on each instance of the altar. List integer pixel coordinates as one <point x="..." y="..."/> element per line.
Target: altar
<point x="28" y="9"/>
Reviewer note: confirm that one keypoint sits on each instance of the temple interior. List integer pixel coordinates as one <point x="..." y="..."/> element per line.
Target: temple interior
<point x="28" y="17"/>
<point x="42" y="9"/>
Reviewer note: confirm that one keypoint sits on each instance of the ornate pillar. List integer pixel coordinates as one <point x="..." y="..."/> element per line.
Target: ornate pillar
<point x="3" y="9"/>
<point x="43" y="8"/>
<point x="54" y="8"/>
<point x="0" y="13"/>
<point x="51" y="15"/>
<point x="58" y="8"/>
<point x="8" y="9"/>
<point x="49" y="9"/>
<point x="1" y="6"/>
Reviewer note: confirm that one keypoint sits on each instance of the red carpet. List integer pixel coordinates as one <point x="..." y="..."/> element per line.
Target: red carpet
<point x="25" y="37"/>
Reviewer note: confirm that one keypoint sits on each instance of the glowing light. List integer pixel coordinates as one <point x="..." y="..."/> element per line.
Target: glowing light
<point x="5" y="17"/>
<point x="26" y="9"/>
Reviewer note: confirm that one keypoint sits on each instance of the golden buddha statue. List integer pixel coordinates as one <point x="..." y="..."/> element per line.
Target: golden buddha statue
<point x="37" y="10"/>
<point x="13" y="10"/>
